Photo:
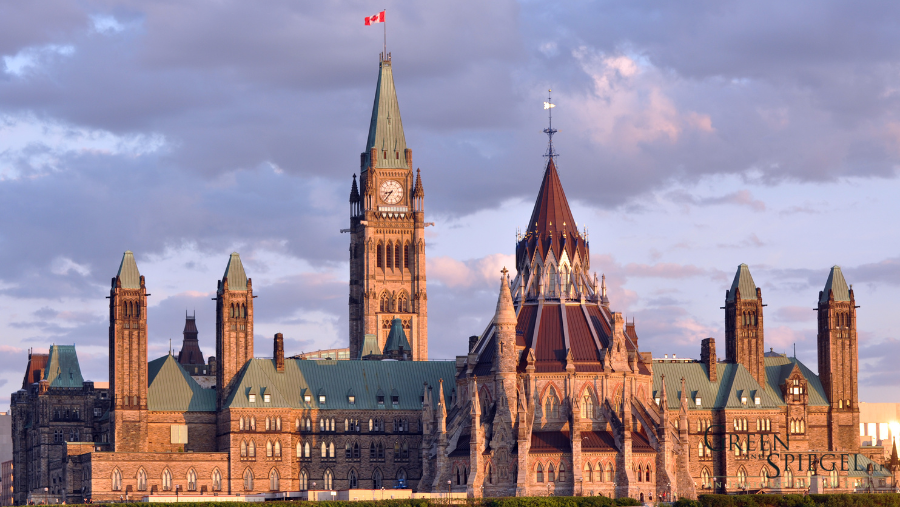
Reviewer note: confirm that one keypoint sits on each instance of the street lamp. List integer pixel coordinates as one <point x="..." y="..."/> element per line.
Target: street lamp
<point x="448" y="492"/>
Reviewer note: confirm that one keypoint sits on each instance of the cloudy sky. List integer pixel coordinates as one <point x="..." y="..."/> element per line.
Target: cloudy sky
<point x="694" y="137"/>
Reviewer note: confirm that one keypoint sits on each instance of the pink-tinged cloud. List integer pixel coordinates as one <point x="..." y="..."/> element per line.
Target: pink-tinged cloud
<point x="481" y="273"/>
<point x="663" y="270"/>
<point x="783" y="338"/>
<point x="795" y="314"/>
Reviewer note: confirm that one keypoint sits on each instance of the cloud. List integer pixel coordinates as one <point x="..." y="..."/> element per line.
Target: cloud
<point x="739" y="198"/>
<point x="475" y="273"/>
<point x="795" y="314"/>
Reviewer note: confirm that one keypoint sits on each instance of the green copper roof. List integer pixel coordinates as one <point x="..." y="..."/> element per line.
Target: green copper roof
<point x="386" y="129"/>
<point x="173" y="389"/>
<point x="234" y="273"/>
<point x="370" y="346"/>
<point x="837" y="285"/>
<point x="128" y="274"/>
<point x="62" y="366"/>
<point x="334" y="379"/>
<point x="396" y="338"/>
<point x="743" y="281"/>
<point x="859" y="466"/>
<point x="733" y="382"/>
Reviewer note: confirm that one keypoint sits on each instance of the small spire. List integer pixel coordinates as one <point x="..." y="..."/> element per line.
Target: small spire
<point x="418" y="191"/>
<point x="354" y="190"/>
<point x="549" y="105"/>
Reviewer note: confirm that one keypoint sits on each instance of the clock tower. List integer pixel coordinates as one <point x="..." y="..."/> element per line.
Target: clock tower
<point x="387" y="234"/>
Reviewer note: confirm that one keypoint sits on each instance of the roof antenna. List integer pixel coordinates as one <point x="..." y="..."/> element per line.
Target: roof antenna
<point x="550" y="130"/>
<point x="795" y="350"/>
<point x="170" y="346"/>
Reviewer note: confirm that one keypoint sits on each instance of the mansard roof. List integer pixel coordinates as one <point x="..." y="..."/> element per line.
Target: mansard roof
<point x="837" y="285"/>
<point x="385" y="128"/>
<point x="733" y="382"/>
<point x="128" y="275"/>
<point x="552" y="226"/>
<point x="62" y="368"/>
<point x="234" y="273"/>
<point x="173" y="389"/>
<point x="396" y="340"/>
<point x="744" y="282"/>
<point x="34" y="372"/>
<point x="365" y="378"/>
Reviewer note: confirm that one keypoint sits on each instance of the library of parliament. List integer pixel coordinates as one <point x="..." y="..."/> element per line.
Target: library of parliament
<point x="554" y="397"/>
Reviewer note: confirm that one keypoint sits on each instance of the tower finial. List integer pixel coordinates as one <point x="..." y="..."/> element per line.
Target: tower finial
<point x="549" y="105"/>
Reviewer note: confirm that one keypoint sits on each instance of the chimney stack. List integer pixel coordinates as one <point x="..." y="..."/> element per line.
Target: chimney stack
<point x="708" y="357"/>
<point x="279" y="352"/>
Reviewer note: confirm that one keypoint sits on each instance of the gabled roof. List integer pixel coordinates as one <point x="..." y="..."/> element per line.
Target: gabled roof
<point x="396" y="338"/>
<point x="552" y="226"/>
<point x="62" y="367"/>
<point x="779" y="368"/>
<point x="173" y="389"/>
<point x="733" y="381"/>
<point x="128" y="274"/>
<point x="744" y="282"/>
<point x="837" y="285"/>
<point x="234" y="273"/>
<point x="337" y="378"/>
<point x="385" y="128"/>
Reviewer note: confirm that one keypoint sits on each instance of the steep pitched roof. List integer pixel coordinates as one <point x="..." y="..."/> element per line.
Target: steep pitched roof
<point x="837" y="285"/>
<point x="173" y="389"/>
<point x="234" y="273"/>
<point x="385" y="128"/>
<point x="128" y="274"/>
<point x="335" y="379"/>
<point x="396" y="338"/>
<point x="552" y="226"/>
<point x="34" y="372"/>
<point x="744" y="282"/>
<point x="779" y="368"/>
<point x="370" y="346"/>
<point x="62" y="367"/>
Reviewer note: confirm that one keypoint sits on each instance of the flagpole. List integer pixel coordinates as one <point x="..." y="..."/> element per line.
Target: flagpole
<point x="385" y="34"/>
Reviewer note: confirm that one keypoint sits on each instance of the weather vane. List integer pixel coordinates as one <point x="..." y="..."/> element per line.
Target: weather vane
<point x="550" y="130"/>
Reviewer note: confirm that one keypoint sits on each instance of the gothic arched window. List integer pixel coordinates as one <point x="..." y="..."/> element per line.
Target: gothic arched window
<point x="142" y="480"/>
<point x="216" y="480"/>
<point x="274" y="480"/>
<point x="389" y="256"/>
<point x="377" y="480"/>
<point x="167" y="480"/>
<point x="248" y="480"/>
<point x="303" y="479"/>
<point x="329" y="479"/>
<point x="385" y="302"/>
<point x="379" y="256"/>
<point x="403" y="303"/>
<point x="192" y="480"/>
<point x="352" y="479"/>
<point x="116" y="480"/>
<point x="539" y="474"/>
<point x="406" y="255"/>
<point x="398" y="257"/>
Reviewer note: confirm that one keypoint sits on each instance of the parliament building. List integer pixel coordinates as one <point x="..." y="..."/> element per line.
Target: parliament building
<point x="554" y="397"/>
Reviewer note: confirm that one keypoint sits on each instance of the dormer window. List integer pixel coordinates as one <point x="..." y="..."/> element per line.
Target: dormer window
<point x="307" y="398"/>
<point x="657" y="400"/>
<point x="252" y="398"/>
<point x="758" y="401"/>
<point x="321" y="399"/>
<point x="267" y="398"/>
<point x="743" y="400"/>
<point x="395" y="400"/>
<point x="351" y="399"/>
<point x="380" y="399"/>
<point x="697" y="401"/>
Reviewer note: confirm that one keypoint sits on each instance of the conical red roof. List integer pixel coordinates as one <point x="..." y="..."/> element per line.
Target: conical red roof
<point x="552" y="226"/>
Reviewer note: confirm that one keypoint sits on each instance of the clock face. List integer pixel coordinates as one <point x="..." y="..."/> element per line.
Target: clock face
<point x="391" y="192"/>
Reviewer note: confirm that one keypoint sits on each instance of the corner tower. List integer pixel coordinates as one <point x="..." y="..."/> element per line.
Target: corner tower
<point x="744" y="343"/>
<point x="234" y="325"/>
<point x="128" y="357"/>
<point x="838" y="359"/>
<point x="387" y="232"/>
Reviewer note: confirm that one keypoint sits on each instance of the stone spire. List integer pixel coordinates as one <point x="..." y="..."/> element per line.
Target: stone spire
<point x="506" y="313"/>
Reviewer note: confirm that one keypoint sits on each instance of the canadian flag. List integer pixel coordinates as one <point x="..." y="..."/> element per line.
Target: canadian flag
<point x="377" y="18"/>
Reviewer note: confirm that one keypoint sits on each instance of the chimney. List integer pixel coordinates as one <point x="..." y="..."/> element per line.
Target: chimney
<point x="708" y="357"/>
<point x="279" y="352"/>
<point x="472" y="341"/>
<point x="212" y="365"/>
